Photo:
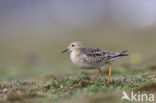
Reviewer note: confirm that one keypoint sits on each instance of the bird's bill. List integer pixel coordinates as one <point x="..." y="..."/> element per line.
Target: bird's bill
<point x="64" y="51"/>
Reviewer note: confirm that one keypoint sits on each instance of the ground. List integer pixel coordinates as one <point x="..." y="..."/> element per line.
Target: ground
<point x="69" y="88"/>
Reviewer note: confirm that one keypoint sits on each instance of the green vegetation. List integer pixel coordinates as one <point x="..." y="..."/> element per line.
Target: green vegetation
<point x="76" y="88"/>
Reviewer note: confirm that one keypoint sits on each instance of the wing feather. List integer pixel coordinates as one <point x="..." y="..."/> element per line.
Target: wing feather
<point x="95" y="55"/>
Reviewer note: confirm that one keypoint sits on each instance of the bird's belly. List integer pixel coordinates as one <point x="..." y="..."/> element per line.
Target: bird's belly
<point x="79" y="62"/>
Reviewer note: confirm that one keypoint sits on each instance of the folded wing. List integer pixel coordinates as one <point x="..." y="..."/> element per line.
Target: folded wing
<point x="95" y="56"/>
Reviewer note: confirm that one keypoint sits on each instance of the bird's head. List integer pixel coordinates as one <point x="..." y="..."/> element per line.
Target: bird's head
<point x="76" y="45"/>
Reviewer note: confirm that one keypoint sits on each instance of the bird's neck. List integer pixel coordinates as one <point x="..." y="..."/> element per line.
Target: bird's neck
<point x="76" y="51"/>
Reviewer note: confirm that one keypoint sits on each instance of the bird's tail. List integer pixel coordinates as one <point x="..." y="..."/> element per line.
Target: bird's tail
<point x="122" y="53"/>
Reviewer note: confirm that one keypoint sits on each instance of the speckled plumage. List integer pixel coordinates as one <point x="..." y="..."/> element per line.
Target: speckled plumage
<point x="92" y="58"/>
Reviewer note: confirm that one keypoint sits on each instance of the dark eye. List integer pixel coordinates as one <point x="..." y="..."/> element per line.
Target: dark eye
<point x="72" y="45"/>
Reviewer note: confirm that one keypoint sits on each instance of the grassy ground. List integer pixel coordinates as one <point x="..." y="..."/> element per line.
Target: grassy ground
<point x="34" y="71"/>
<point x="69" y="88"/>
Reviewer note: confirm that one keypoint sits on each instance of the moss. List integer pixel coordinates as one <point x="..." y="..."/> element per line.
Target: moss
<point x="65" y="87"/>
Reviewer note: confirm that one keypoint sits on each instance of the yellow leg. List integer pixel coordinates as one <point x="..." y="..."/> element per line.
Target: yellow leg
<point x="110" y="70"/>
<point x="97" y="74"/>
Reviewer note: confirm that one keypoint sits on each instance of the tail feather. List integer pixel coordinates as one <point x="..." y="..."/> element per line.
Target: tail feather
<point x="122" y="53"/>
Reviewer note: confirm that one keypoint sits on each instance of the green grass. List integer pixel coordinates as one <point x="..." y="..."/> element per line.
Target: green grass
<point x="77" y="88"/>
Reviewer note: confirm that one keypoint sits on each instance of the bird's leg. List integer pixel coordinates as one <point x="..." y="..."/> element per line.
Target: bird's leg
<point x="97" y="74"/>
<point x="110" y="70"/>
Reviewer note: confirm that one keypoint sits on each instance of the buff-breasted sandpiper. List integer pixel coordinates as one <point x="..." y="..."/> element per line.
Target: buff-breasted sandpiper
<point x="92" y="58"/>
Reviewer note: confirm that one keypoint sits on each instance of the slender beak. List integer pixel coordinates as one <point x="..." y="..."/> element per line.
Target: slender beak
<point x="64" y="51"/>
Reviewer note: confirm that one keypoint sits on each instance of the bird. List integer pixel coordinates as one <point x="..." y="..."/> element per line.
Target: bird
<point x="92" y="58"/>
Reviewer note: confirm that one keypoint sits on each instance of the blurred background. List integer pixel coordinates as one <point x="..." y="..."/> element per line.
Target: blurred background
<point x="34" y="32"/>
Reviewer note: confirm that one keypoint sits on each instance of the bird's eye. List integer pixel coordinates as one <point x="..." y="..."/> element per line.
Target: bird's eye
<point x="72" y="45"/>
